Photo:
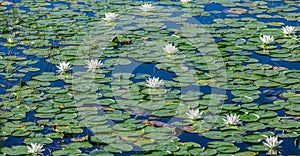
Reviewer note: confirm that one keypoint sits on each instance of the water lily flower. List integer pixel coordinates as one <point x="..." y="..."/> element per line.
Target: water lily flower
<point x="35" y="148"/>
<point x="170" y="49"/>
<point x="63" y="67"/>
<point x="272" y="142"/>
<point x="288" y="30"/>
<point x="267" y="39"/>
<point x="92" y="65"/>
<point x="232" y="119"/>
<point x="10" y="40"/>
<point x="185" y="1"/>
<point x="146" y="7"/>
<point x="154" y="82"/>
<point x="110" y="16"/>
<point x="194" y="114"/>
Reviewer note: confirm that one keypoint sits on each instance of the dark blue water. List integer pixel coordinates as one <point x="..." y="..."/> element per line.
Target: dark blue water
<point x="274" y="62"/>
<point x="145" y="68"/>
<point x="269" y="95"/>
<point x="218" y="7"/>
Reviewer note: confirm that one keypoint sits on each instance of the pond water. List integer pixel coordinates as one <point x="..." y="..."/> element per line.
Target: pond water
<point x="77" y="80"/>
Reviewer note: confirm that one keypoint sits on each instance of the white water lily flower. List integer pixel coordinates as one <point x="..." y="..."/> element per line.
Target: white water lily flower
<point x="63" y="67"/>
<point x="110" y="16"/>
<point x="146" y="7"/>
<point x="272" y="142"/>
<point x="10" y="40"/>
<point x="92" y="65"/>
<point x="288" y="30"/>
<point x="35" y="148"/>
<point x="194" y="114"/>
<point x="232" y="119"/>
<point x="267" y="39"/>
<point x="185" y="1"/>
<point x="170" y="49"/>
<point x="154" y="82"/>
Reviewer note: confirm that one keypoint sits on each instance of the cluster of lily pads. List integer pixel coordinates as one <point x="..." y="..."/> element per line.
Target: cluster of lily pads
<point x="64" y="94"/>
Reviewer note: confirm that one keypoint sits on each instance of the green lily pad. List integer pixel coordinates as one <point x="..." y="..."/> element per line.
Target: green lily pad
<point x="259" y="148"/>
<point x="118" y="148"/>
<point x="15" y="150"/>
<point x="45" y="77"/>
<point x="66" y="152"/>
<point x="38" y="140"/>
